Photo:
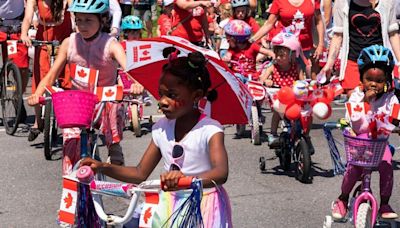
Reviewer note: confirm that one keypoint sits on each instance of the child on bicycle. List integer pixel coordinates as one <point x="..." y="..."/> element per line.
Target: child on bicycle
<point x="375" y="64"/>
<point x="284" y="72"/>
<point x="184" y="81"/>
<point x="91" y="48"/>
<point x="131" y="27"/>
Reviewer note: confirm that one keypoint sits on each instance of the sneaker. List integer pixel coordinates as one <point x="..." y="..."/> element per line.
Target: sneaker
<point x="147" y="101"/>
<point x="273" y="140"/>
<point x="387" y="212"/>
<point x="33" y="134"/>
<point x="339" y="209"/>
<point x="115" y="154"/>
<point x="309" y="144"/>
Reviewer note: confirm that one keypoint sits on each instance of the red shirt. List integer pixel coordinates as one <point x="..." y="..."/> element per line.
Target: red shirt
<point x="191" y="29"/>
<point x="165" y="24"/>
<point x="302" y="17"/>
<point x="247" y="58"/>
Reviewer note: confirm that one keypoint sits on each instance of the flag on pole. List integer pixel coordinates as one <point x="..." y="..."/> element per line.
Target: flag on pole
<point x="83" y="75"/>
<point x="68" y="201"/>
<point x="149" y="208"/>
<point x="110" y="93"/>
<point x="352" y="107"/>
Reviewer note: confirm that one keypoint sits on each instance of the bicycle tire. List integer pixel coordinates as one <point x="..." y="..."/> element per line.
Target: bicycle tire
<point x="11" y="97"/>
<point x="49" y="130"/>
<point x="135" y="120"/>
<point x="255" y="128"/>
<point x="364" y="214"/>
<point x="262" y="164"/>
<point x="284" y="154"/>
<point x="303" y="164"/>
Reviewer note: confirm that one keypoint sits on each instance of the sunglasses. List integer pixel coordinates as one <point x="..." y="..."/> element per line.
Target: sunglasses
<point x="177" y="158"/>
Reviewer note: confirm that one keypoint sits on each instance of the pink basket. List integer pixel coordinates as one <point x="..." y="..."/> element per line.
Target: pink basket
<point x="364" y="152"/>
<point x="74" y="108"/>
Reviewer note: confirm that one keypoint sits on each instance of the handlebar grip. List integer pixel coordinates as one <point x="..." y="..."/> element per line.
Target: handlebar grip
<point x="43" y="100"/>
<point x="332" y="125"/>
<point x="183" y="183"/>
<point x="85" y="174"/>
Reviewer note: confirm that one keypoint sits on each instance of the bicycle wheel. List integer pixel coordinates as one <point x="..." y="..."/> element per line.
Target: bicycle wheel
<point x="135" y="120"/>
<point x="363" y="216"/>
<point x="11" y="98"/>
<point x="284" y="154"/>
<point x="49" y="130"/>
<point x="262" y="164"/>
<point x="255" y="127"/>
<point x="303" y="164"/>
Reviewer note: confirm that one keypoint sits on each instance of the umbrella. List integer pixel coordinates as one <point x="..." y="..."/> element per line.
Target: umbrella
<point x="145" y="61"/>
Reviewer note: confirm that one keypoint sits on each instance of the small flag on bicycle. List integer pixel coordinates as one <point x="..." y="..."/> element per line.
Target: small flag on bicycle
<point x="68" y="201"/>
<point x="110" y="93"/>
<point x="83" y="75"/>
<point x="395" y="112"/>
<point x="149" y="208"/>
<point x="352" y="107"/>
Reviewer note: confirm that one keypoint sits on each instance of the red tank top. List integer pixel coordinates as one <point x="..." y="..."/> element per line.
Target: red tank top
<point x="285" y="78"/>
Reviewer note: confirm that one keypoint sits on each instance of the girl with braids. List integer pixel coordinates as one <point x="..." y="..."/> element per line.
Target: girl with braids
<point x="54" y="24"/>
<point x="188" y="143"/>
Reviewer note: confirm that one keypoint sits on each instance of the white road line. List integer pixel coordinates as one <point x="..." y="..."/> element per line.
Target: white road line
<point x="2" y="129"/>
<point x="338" y="108"/>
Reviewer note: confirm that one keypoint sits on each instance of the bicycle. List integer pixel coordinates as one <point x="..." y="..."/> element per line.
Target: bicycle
<point x="362" y="207"/>
<point x="10" y="82"/>
<point x="49" y="121"/>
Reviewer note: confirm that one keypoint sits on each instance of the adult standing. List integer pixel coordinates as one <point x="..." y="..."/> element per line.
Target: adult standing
<point x="54" y="24"/>
<point x="142" y="9"/>
<point x="11" y="12"/>
<point x="358" y="24"/>
<point x="189" y="20"/>
<point x="301" y="15"/>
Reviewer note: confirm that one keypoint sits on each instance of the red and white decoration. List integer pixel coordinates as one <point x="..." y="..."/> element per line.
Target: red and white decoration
<point x="68" y="202"/>
<point x="110" y="93"/>
<point x="149" y="208"/>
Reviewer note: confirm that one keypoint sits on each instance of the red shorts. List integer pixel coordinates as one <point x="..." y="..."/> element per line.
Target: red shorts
<point x="17" y="52"/>
<point x="351" y="75"/>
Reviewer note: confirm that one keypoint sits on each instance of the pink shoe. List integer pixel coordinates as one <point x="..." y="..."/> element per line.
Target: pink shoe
<point x="339" y="210"/>
<point x="387" y="212"/>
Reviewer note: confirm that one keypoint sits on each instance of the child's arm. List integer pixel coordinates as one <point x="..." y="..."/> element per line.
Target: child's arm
<point x="129" y="174"/>
<point x="51" y="76"/>
<point x="267" y="52"/>
<point x="302" y="75"/>
<point x="158" y="30"/>
<point x="266" y="76"/>
<point x="117" y="51"/>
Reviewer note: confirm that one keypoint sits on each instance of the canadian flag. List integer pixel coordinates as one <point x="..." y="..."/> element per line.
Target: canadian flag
<point x="149" y="208"/>
<point x="110" y="93"/>
<point x="11" y="47"/>
<point x="84" y="75"/>
<point x="335" y="85"/>
<point x="362" y="107"/>
<point x="68" y="201"/>
<point x="395" y="112"/>
<point x="141" y="53"/>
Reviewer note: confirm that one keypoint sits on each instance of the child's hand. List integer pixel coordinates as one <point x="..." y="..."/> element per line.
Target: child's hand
<point x="170" y="180"/>
<point x="370" y="94"/>
<point x="94" y="164"/>
<point x="268" y="82"/>
<point x="33" y="99"/>
<point x="136" y="88"/>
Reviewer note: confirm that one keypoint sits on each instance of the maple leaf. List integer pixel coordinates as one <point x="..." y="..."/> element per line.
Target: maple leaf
<point x="11" y="49"/>
<point x="82" y="73"/>
<point x="109" y="93"/>
<point x="147" y="215"/>
<point x="358" y="108"/>
<point x="68" y="200"/>
<point x="145" y="52"/>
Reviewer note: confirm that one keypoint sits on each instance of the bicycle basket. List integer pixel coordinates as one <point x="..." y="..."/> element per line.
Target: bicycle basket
<point x="74" y="108"/>
<point x="364" y="152"/>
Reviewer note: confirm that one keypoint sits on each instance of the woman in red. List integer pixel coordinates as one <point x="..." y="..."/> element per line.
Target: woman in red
<point x="54" y="24"/>
<point x="189" y="20"/>
<point x="300" y="15"/>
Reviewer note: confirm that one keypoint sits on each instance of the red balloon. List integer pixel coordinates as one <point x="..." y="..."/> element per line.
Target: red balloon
<point x="293" y="112"/>
<point x="286" y="95"/>
<point x="330" y="94"/>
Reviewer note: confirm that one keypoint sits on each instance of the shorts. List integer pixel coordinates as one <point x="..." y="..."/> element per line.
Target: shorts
<point x="17" y="52"/>
<point x="144" y="14"/>
<point x="351" y="75"/>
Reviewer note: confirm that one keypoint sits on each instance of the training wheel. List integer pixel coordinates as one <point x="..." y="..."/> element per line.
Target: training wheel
<point x="328" y="222"/>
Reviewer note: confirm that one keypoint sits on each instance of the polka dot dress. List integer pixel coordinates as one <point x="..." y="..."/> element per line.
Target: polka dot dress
<point x="285" y="78"/>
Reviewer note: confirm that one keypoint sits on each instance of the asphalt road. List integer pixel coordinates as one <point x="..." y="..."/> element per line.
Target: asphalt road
<point x="30" y="186"/>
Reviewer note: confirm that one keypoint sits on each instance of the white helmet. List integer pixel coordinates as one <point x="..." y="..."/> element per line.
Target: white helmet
<point x="167" y="2"/>
<point x="237" y="3"/>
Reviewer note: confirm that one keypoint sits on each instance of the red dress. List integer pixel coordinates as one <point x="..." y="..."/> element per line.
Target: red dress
<point x="285" y="78"/>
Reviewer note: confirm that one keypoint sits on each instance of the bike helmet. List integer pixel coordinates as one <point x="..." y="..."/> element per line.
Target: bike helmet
<point x="167" y="2"/>
<point x="238" y="29"/>
<point x="287" y="39"/>
<point x="89" y="6"/>
<point x="237" y="3"/>
<point x="375" y="56"/>
<point x="131" y="22"/>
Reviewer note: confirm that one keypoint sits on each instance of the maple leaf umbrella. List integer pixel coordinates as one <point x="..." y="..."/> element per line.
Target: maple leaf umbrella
<point x="145" y="61"/>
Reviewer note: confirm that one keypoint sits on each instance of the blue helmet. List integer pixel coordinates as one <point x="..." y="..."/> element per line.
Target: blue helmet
<point x="131" y="22"/>
<point x="237" y="3"/>
<point x="375" y="56"/>
<point x="89" y="6"/>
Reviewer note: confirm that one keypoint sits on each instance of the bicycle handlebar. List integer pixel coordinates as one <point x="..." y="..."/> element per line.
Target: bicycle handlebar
<point x="53" y="43"/>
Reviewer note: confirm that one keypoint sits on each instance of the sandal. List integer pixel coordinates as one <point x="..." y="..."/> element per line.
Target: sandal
<point x="33" y="134"/>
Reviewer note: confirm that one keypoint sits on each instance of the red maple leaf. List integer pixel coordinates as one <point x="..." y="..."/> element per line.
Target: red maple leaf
<point x="147" y="215"/>
<point x="145" y="52"/>
<point x="381" y="117"/>
<point x="358" y="108"/>
<point x="68" y="200"/>
<point x="82" y="73"/>
<point x="11" y="49"/>
<point x="109" y="93"/>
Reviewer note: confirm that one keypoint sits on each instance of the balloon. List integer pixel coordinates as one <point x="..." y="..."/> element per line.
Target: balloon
<point x="300" y="89"/>
<point x="286" y="95"/>
<point x="322" y="111"/>
<point x="293" y="112"/>
<point x="279" y="107"/>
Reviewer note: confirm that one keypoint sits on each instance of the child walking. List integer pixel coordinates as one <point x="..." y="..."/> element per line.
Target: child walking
<point x="184" y="81"/>
<point x="90" y="48"/>
<point x="375" y="64"/>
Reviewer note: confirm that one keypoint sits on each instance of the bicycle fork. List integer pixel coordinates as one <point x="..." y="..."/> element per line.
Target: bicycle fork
<point x="366" y="195"/>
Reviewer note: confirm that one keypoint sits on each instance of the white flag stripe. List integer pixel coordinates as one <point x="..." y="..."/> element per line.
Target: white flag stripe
<point x="66" y="194"/>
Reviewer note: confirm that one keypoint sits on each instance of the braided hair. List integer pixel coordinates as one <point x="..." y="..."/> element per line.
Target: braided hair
<point x="191" y="70"/>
